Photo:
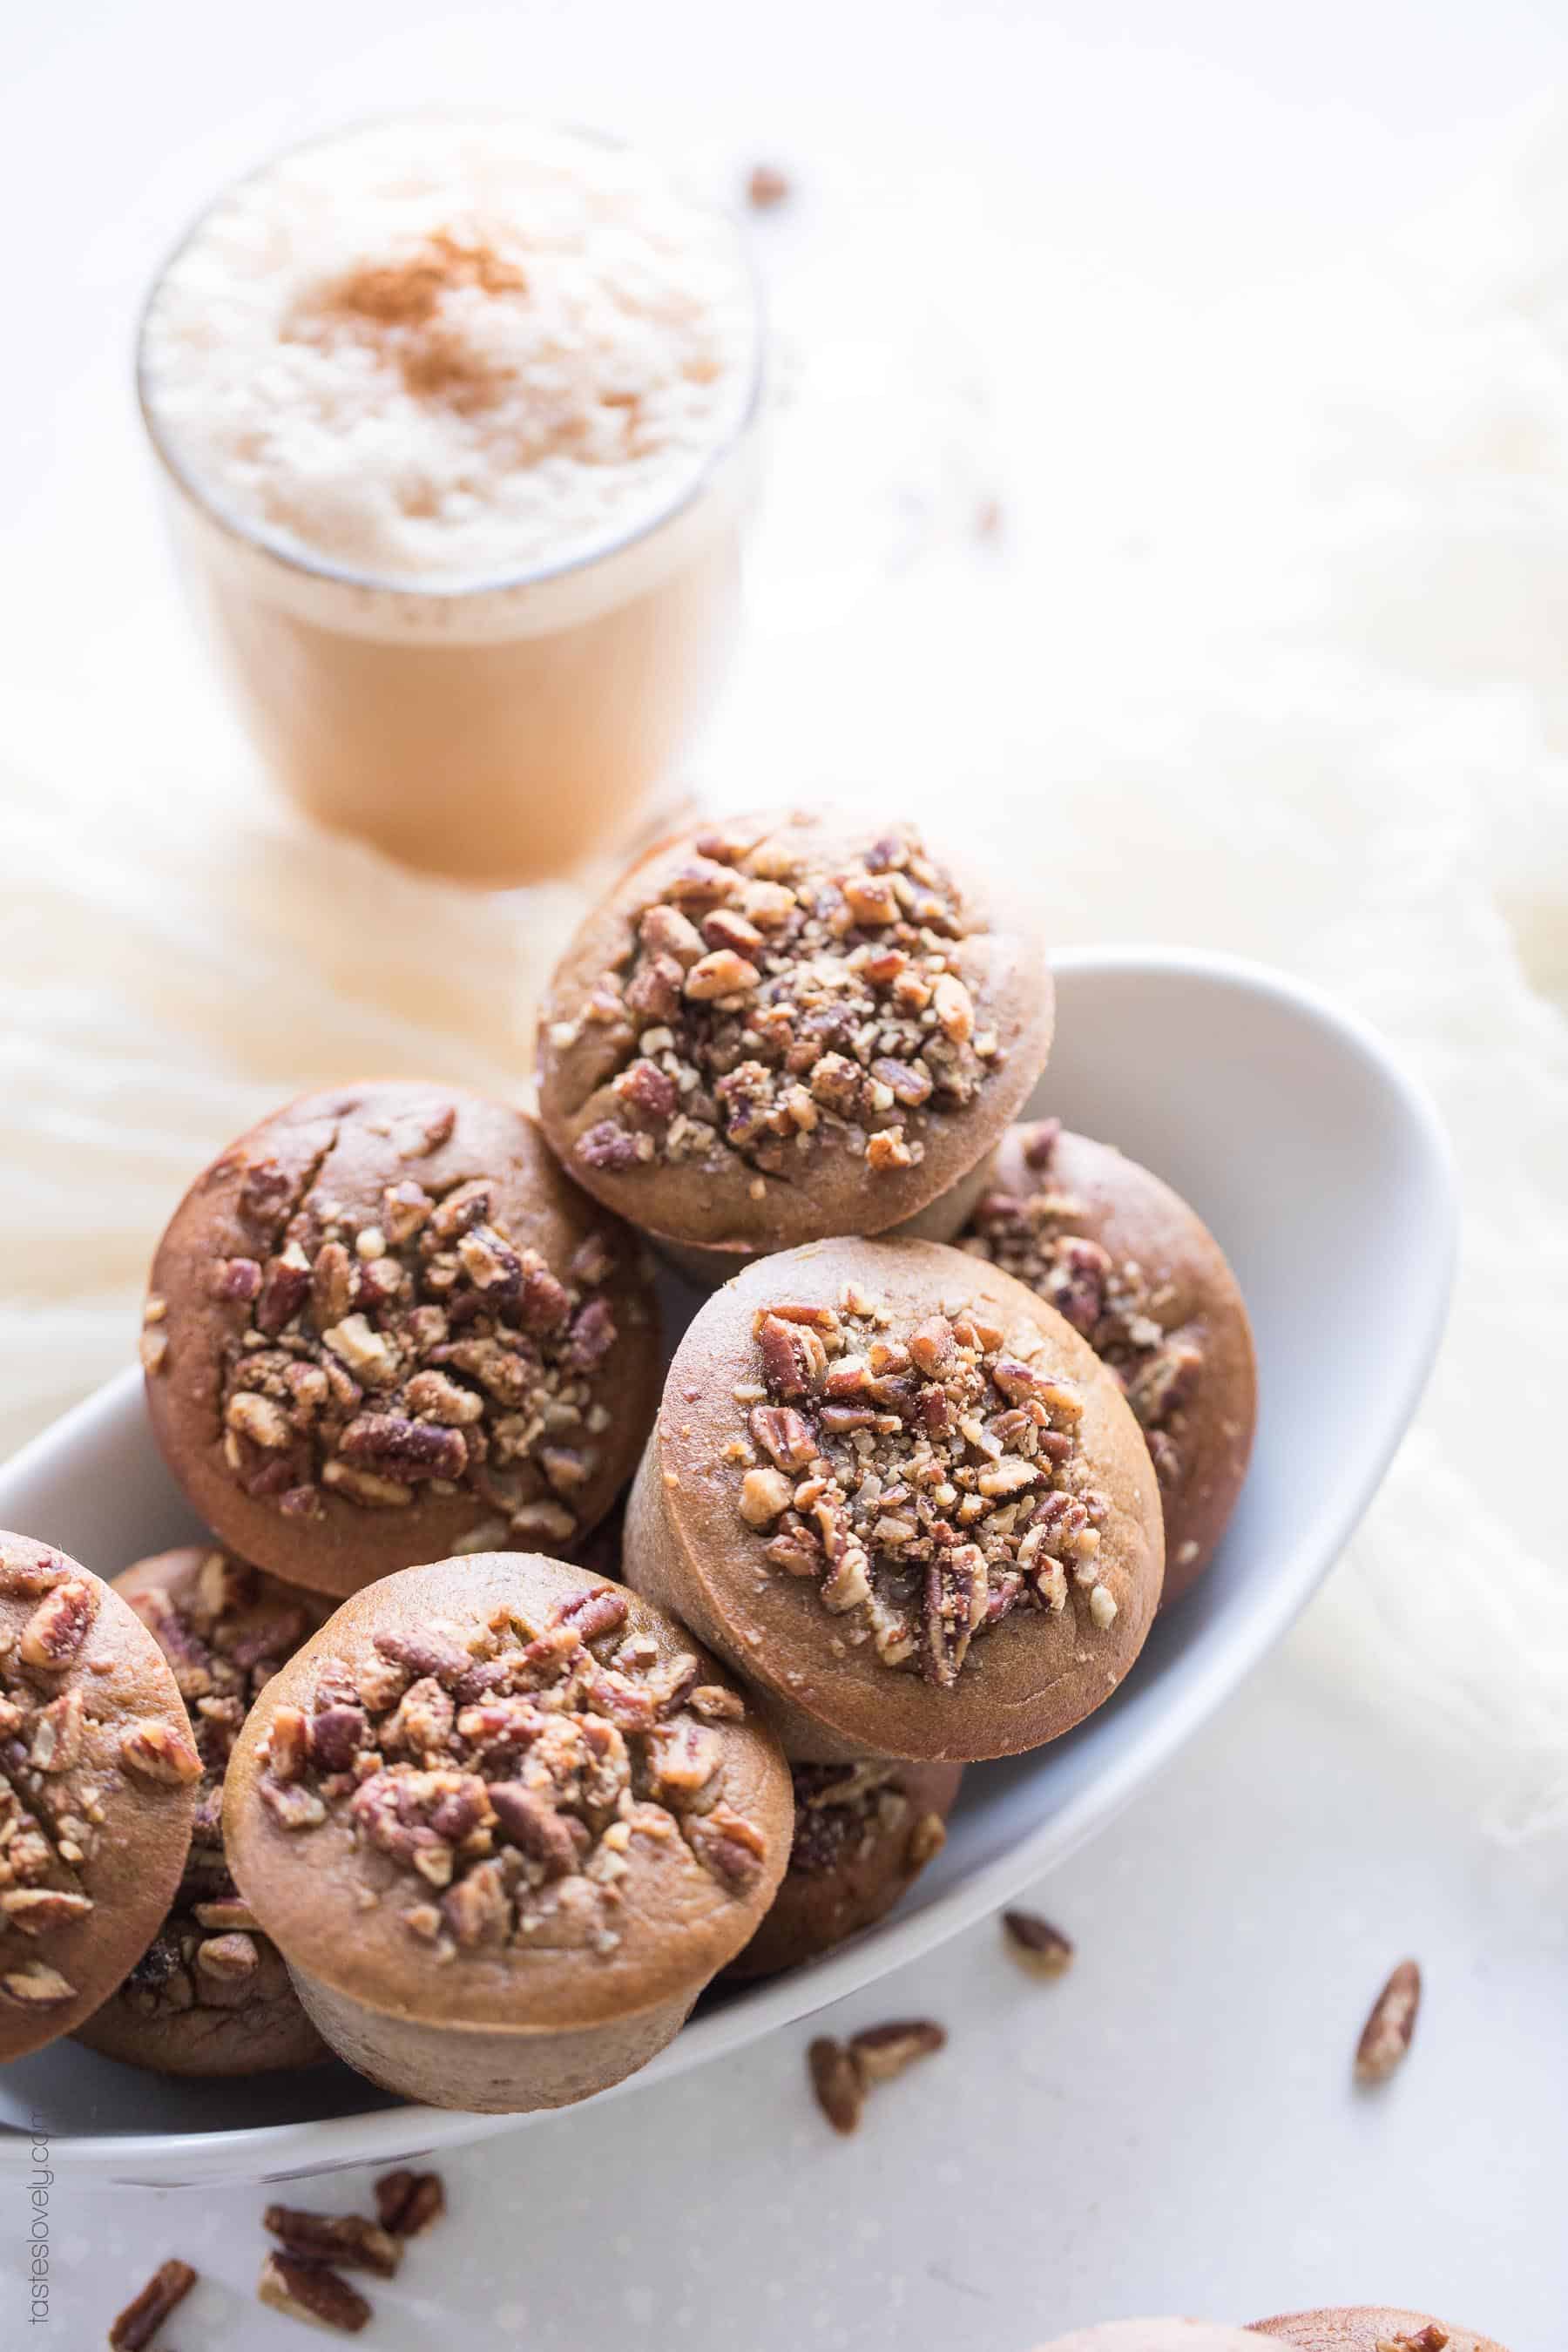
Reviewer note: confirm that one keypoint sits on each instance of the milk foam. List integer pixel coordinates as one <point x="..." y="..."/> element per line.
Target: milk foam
<point x="441" y="352"/>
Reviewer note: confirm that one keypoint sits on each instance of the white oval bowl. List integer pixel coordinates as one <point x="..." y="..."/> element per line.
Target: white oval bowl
<point x="1325" y="1174"/>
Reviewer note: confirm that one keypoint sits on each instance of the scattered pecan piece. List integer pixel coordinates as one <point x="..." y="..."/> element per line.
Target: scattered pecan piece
<point x="1385" y="2037"/>
<point x="345" y="2239"/>
<point x="145" y="2313"/>
<point x="307" y="2291"/>
<point x="840" y="2086"/>
<point x="767" y="187"/>
<point x="1036" y="1945"/>
<point x="407" y="2203"/>
<point x="883" y="2051"/>
<point x="1430" y="2338"/>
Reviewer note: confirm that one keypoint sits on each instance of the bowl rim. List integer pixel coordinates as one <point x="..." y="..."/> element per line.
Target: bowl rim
<point x="276" y="2150"/>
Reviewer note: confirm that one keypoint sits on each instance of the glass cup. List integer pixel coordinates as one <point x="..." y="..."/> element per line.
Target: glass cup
<point x="497" y="733"/>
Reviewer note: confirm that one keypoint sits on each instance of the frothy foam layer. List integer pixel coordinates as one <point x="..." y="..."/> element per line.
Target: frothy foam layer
<point x="441" y="351"/>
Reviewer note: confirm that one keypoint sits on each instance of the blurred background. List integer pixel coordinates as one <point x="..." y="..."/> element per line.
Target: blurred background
<point x="1169" y="467"/>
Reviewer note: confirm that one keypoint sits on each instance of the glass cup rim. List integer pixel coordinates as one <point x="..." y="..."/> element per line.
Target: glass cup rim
<point x="321" y="567"/>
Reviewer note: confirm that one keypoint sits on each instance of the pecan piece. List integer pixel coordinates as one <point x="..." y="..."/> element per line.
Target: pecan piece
<point x="782" y="1433"/>
<point x="406" y="1450"/>
<point x="731" y="1848"/>
<point x="307" y="2291"/>
<point x="647" y="1089"/>
<point x="1036" y="1945"/>
<point x="933" y="1348"/>
<point x="882" y="2051"/>
<point x="764" y="1495"/>
<point x="908" y="1083"/>
<point x="1430" y="2338"/>
<point x="534" y="1825"/>
<point x="37" y="1986"/>
<point x="794" y="1358"/>
<point x="593" y="1336"/>
<point x="59" y="1625"/>
<point x="840" y="2086"/>
<point x="1386" y="2036"/>
<point x="955" y="1598"/>
<point x="230" y="1959"/>
<point x="158" y="1752"/>
<point x="607" y="1146"/>
<point x="347" y="2239"/>
<point x="145" y="2313"/>
<point x="407" y="2203"/>
<point x="38" y="1910"/>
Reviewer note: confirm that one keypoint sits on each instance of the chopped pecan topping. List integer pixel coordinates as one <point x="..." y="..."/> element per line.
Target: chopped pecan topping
<point x="1430" y="2338"/>
<point x="58" y="1625"/>
<point x="507" y="1767"/>
<point x="931" y="1484"/>
<point x="307" y="2291"/>
<point x="37" y="1986"/>
<point x="1386" y="2036"/>
<point x="1031" y="1235"/>
<point x="39" y="1910"/>
<point x="407" y="2203"/>
<point x="1036" y="1945"/>
<point x="156" y="1751"/>
<point x="777" y="991"/>
<point x="140" y="2321"/>
<point x="379" y="1353"/>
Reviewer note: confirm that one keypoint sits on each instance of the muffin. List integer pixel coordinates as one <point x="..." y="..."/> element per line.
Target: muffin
<point x="99" y="1781"/>
<point x="863" y="1834"/>
<point x="505" y="1821"/>
<point x="1154" y="2336"/>
<point x="384" y="1328"/>
<point x="210" y="1995"/>
<point x="905" y="1498"/>
<point x="790" y="1027"/>
<point x="1372" y="2328"/>
<point x="1141" y="1277"/>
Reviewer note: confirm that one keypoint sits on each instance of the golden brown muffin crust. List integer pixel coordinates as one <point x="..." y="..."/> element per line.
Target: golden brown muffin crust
<point x="500" y="1791"/>
<point x="98" y="1779"/>
<point x="384" y="1327"/>
<point x="905" y="1498"/>
<point x="785" y="1027"/>
<point x="1137" y="1272"/>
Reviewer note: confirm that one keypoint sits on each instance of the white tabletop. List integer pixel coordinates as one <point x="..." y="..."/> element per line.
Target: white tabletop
<point x="1171" y="2126"/>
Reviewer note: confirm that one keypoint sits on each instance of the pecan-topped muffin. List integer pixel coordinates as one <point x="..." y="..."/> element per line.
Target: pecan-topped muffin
<point x="1135" y="1270"/>
<point x="505" y="1820"/>
<point x="1372" y="2328"/>
<point x="863" y="1834"/>
<point x="789" y="1026"/>
<point x="384" y="1327"/>
<point x="210" y="1995"/>
<point x="905" y="1498"/>
<point x="98" y="1778"/>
